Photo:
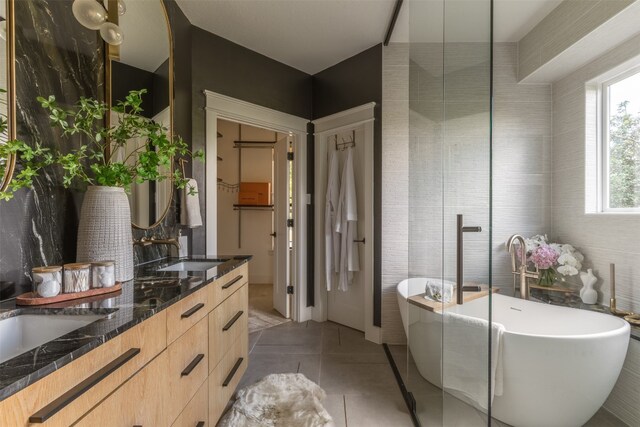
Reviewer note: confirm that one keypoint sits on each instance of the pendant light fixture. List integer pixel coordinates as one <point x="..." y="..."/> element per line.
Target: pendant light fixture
<point x="94" y="16"/>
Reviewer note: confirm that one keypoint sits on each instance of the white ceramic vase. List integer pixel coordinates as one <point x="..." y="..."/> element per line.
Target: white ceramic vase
<point x="587" y="293"/>
<point x="104" y="233"/>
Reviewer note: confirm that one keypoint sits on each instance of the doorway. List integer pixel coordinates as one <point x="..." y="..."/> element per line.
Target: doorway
<point x="255" y="188"/>
<point x="346" y="134"/>
<point x="227" y="108"/>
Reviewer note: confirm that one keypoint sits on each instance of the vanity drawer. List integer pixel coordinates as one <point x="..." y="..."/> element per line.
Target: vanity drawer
<point x="141" y="401"/>
<point x="196" y="414"/>
<point x="225" y="377"/>
<point x="228" y="284"/>
<point x="228" y="322"/>
<point x="188" y="366"/>
<point x="65" y="395"/>
<point x="187" y="312"/>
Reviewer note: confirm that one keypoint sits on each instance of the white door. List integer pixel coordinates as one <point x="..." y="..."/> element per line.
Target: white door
<point x="348" y="308"/>
<point x="281" y="268"/>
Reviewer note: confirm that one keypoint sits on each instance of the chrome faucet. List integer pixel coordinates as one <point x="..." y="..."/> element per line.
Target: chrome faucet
<point x="147" y="241"/>
<point x="522" y="272"/>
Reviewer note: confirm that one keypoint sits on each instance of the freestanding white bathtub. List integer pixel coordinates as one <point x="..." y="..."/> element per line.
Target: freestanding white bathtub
<point x="559" y="364"/>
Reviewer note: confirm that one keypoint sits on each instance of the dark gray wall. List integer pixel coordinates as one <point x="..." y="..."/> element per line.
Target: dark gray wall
<point x="70" y="64"/>
<point x="55" y="55"/>
<point x="227" y="68"/>
<point x="353" y="82"/>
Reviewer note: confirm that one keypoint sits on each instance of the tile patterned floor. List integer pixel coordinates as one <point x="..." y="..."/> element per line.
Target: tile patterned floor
<point x="261" y="312"/>
<point x="457" y="413"/>
<point x="360" y="385"/>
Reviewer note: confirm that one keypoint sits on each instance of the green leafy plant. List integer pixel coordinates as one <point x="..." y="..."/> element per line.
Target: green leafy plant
<point x="121" y="165"/>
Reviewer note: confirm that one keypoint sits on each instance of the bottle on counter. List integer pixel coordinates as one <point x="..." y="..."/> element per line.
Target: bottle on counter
<point x="103" y="274"/>
<point x="76" y="277"/>
<point x="47" y="281"/>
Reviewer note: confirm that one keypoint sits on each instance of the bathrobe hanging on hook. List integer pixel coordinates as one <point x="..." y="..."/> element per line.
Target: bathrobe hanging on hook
<point x="347" y="224"/>
<point x="331" y="237"/>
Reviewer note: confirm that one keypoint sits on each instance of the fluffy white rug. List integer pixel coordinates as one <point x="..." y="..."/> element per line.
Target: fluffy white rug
<point x="279" y="400"/>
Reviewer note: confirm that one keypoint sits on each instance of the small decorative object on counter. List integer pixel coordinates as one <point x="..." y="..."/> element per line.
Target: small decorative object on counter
<point x="103" y="274"/>
<point x="544" y="258"/>
<point x="47" y="281"/>
<point x="76" y="277"/>
<point x="553" y="261"/>
<point x="588" y="295"/>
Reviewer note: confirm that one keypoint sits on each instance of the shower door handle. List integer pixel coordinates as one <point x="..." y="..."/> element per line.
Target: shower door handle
<point x="461" y="229"/>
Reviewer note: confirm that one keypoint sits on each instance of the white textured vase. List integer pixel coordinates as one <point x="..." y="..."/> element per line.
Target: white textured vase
<point x="104" y="233"/>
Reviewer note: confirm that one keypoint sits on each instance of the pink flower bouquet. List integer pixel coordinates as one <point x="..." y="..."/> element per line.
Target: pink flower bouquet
<point x="544" y="257"/>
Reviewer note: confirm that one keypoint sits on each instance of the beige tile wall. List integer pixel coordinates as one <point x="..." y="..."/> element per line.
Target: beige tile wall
<point x="395" y="183"/>
<point x="427" y="178"/>
<point x="562" y="28"/>
<point x="603" y="238"/>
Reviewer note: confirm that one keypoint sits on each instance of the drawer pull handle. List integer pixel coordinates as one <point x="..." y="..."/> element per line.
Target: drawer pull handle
<point x="227" y="380"/>
<point x="57" y="405"/>
<point x="192" y="310"/>
<point x="232" y="282"/>
<point x="191" y="366"/>
<point x="200" y="424"/>
<point x="232" y="321"/>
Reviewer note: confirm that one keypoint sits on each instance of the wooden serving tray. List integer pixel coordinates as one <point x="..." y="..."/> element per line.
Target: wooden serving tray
<point x="437" y="307"/>
<point x="31" y="298"/>
<point x="554" y="288"/>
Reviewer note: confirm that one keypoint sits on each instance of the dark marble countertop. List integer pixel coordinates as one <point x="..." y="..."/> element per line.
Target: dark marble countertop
<point x="573" y="300"/>
<point x="150" y="292"/>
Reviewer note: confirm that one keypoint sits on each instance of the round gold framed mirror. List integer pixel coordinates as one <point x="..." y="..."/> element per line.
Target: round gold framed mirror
<point x="144" y="60"/>
<point x="7" y="84"/>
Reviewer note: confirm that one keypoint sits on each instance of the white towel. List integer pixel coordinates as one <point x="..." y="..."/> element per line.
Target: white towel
<point x="464" y="366"/>
<point x="331" y="237"/>
<point x="347" y="224"/>
<point x="190" y="206"/>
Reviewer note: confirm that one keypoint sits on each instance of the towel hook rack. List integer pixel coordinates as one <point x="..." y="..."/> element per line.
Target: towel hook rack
<point x="345" y="144"/>
<point x="182" y="161"/>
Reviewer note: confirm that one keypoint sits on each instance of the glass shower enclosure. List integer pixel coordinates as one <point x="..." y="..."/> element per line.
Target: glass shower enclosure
<point x="449" y="374"/>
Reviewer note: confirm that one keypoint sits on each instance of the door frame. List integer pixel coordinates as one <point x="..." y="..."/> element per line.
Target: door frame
<point x="362" y="116"/>
<point x="219" y="106"/>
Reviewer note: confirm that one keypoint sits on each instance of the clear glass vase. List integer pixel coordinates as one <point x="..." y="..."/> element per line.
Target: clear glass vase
<point x="547" y="277"/>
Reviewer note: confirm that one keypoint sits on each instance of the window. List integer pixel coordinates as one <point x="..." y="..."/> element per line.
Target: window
<point x="621" y="143"/>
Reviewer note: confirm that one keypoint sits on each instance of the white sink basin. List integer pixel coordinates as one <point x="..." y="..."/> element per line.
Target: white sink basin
<point x="25" y="332"/>
<point x="192" y="266"/>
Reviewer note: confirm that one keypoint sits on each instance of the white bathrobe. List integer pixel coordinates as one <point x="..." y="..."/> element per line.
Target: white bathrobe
<point x="331" y="237"/>
<point x="347" y="224"/>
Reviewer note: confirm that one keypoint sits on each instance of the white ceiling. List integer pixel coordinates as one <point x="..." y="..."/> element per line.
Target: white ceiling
<point x="309" y="35"/>
<point x="312" y="35"/>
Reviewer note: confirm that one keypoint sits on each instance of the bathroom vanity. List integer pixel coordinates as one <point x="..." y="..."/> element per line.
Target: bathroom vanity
<point x="169" y="350"/>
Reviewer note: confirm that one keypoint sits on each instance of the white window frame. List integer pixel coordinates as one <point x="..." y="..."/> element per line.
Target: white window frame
<point x="603" y="145"/>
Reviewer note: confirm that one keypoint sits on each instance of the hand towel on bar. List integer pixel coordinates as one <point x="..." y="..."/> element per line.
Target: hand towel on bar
<point x="190" y="206"/>
<point x="464" y="364"/>
<point x="347" y="224"/>
<point x="331" y="237"/>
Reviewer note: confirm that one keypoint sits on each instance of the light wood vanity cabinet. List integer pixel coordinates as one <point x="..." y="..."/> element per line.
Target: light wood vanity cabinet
<point x="227" y="323"/>
<point x="188" y="366"/>
<point x="186" y="313"/>
<point x="177" y="368"/>
<point x="141" y="401"/>
<point x="196" y="413"/>
<point x="62" y="397"/>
